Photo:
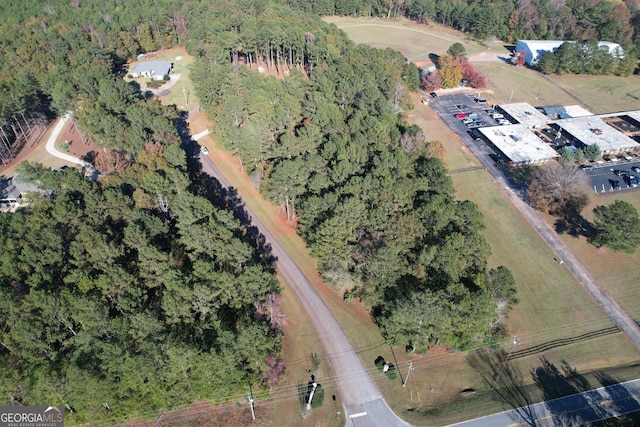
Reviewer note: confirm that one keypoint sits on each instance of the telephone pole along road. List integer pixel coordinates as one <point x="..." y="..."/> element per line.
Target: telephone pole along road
<point x="362" y="401"/>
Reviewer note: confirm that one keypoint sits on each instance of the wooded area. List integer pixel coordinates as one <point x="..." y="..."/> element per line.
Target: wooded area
<point x="136" y="292"/>
<point x="507" y="20"/>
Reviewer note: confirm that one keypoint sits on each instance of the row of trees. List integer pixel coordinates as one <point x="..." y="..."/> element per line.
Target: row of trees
<point x="587" y="57"/>
<point x="617" y="21"/>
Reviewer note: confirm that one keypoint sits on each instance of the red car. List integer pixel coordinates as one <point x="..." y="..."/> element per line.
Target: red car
<point x="461" y="115"/>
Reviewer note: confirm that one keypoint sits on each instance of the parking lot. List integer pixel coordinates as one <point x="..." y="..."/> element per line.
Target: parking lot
<point x="448" y="106"/>
<point x="614" y="176"/>
<point x="605" y="176"/>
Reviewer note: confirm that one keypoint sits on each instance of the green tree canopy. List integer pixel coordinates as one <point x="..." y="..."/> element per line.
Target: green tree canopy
<point x="617" y="226"/>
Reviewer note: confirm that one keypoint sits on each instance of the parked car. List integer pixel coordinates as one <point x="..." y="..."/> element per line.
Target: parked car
<point x="467" y="121"/>
<point x="462" y="107"/>
<point x="615" y="184"/>
<point x="473" y="115"/>
<point x="633" y="180"/>
<point x="481" y="100"/>
<point x="204" y="150"/>
<point x="620" y="172"/>
<point x="497" y="116"/>
<point x="433" y="95"/>
<point x="461" y="115"/>
<point x="636" y="169"/>
<point x="587" y="167"/>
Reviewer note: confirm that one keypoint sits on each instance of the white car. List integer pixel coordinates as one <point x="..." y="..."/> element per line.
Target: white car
<point x="204" y="150"/>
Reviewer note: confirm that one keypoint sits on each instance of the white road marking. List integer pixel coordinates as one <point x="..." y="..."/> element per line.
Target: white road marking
<point x="359" y="414"/>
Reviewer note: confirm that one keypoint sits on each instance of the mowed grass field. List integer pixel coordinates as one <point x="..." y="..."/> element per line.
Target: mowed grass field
<point x="405" y="36"/>
<point x="553" y="307"/>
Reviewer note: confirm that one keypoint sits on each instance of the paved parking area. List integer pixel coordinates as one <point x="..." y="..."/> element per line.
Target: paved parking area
<point x="613" y="176"/>
<point x="447" y="106"/>
<point x="603" y="176"/>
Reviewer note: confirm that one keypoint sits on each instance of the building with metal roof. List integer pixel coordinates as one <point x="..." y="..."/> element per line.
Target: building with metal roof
<point x="518" y="144"/>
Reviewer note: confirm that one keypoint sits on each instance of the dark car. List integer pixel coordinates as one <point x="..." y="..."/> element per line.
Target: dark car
<point x="615" y="184"/>
<point x="462" y="107"/>
<point x="497" y="158"/>
<point x="433" y="95"/>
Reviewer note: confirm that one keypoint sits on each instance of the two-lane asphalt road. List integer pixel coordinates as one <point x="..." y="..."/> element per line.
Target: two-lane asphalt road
<point x="577" y="409"/>
<point x="363" y="404"/>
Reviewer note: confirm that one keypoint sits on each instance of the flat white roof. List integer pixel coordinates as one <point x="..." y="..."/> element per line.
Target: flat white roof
<point x="577" y="111"/>
<point x="592" y="130"/>
<point x="519" y="144"/>
<point x="526" y="114"/>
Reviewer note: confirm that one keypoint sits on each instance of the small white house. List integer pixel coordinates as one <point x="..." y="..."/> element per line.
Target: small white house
<point x="154" y="69"/>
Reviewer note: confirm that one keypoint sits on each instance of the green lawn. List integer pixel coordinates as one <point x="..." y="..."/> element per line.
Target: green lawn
<point x="415" y="42"/>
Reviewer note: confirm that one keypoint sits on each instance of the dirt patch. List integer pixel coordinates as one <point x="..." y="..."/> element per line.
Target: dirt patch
<point x="83" y="150"/>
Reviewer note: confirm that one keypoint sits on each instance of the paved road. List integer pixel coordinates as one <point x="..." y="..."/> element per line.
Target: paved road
<point x="578" y="409"/>
<point x="51" y="143"/>
<point x="363" y="404"/>
<point x="622" y="320"/>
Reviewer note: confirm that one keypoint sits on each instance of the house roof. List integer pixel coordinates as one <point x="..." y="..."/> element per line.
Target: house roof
<point x="518" y="143"/>
<point x="158" y="68"/>
<point x="13" y="187"/>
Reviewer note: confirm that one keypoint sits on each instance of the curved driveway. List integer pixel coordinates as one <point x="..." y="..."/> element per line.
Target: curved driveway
<point x="363" y="404"/>
<point x="51" y="143"/>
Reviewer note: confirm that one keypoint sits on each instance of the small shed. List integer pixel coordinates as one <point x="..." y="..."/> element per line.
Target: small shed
<point x="154" y="69"/>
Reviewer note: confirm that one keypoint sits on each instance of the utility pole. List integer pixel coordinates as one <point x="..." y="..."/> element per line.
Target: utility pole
<point x="185" y="92"/>
<point x="250" y="399"/>
<point x="404" y="383"/>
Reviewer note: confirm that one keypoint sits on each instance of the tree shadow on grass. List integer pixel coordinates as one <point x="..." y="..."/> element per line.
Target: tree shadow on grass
<point x="505" y="381"/>
<point x="575" y="226"/>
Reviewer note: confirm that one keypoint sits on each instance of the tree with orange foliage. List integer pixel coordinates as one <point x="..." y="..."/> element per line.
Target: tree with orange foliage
<point x="450" y="70"/>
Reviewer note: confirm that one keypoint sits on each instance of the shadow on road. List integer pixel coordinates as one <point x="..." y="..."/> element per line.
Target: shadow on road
<point x="224" y="198"/>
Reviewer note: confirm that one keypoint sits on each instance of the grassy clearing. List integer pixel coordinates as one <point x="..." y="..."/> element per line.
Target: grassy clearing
<point x="519" y="84"/>
<point x="603" y="94"/>
<point x="176" y="94"/>
<point x="415" y="41"/>
<point x="617" y="272"/>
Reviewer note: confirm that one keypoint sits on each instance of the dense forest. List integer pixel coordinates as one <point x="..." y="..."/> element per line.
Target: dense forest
<point x="508" y="20"/>
<point x="135" y="291"/>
